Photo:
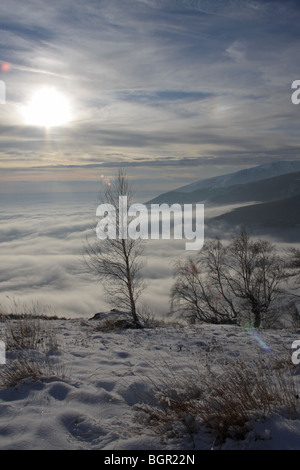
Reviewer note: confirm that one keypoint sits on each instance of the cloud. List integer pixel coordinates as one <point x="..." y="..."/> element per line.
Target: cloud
<point x="41" y="261"/>
<point x="41" y="247"/>
<point x="186" y="79"/>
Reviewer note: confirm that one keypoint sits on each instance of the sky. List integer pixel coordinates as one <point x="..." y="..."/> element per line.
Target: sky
<point x="173" y="90"/>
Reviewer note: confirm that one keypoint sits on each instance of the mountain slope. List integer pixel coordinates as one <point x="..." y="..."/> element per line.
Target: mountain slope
<point x="277" y="218"/>
<point x="271" y="189"/>
<point x="257" y="173"/>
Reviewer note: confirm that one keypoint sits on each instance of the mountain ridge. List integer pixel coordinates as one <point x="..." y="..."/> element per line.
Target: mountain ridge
<point x="279" y="219"/>
<point x="268" y="206"/>
<point x="247" y="175"/>
<point x="269" y="189"/>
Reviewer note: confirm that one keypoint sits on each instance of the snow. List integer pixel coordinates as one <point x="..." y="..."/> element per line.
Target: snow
<point x="257" y="173"/>
<point x="101" y="378"/>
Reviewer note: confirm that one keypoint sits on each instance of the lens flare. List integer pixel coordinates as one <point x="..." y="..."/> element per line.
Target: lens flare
<point x="5" y="67"/>
<point x="253" y="334"/>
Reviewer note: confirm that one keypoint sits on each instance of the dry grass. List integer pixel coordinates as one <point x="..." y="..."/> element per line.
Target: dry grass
<point x="223" y="398"/>
<point x="29" y="332"/>
<point x="30" y="339"/>
<point x="29" y="367"/>
<point x="14" y="309"/>
<point x="28" y="327"/>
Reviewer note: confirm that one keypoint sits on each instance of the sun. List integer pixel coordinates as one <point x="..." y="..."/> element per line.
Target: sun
<point x="47" y="108"/>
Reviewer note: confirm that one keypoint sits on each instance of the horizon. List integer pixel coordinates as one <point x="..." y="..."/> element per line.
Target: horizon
<point x="92" y="188"/>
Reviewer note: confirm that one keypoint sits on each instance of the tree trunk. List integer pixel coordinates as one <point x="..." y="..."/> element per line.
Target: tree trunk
<point x="257" y="319"/>
<point x="129" y="286"/>
<point x="133" y="307"/>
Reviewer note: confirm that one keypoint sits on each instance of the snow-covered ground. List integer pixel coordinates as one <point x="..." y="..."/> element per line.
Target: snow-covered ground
<point x="101" y="378"/>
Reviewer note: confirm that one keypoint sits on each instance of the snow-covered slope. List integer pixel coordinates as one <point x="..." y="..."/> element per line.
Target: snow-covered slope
<point x="266" y="190"/>
<point x="91" y="399"/>
<point x="257" y="173"/>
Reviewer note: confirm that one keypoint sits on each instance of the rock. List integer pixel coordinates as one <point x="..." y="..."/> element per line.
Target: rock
<point x="114" y="320"/>
<point x="111" y="314"/>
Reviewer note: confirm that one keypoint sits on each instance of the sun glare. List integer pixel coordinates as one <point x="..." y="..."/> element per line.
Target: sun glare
<point x="47" y="108"/>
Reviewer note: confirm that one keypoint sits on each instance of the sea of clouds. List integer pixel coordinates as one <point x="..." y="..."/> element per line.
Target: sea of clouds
<point x="42" y="241"/>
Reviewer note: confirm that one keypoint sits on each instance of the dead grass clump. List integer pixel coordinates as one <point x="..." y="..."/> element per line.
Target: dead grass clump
<point x="29" y="368"/>
<point x="30" y="339"/>
<point x="30" y="333"/>
<point x="28" y="327"/>
<point x="246" y="391"/>
<point x="224" y="398"/>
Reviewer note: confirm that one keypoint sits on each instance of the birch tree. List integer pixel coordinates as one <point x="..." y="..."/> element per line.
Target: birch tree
<point x="117" y="262"/>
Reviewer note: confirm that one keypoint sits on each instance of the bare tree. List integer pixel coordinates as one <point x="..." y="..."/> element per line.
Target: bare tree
<point x="225" y="283"/>
<point x="257" y="275"/>
<point x="293" y="257"/>
<point x="117" y="261"/>
<point x="199" y="291"/>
